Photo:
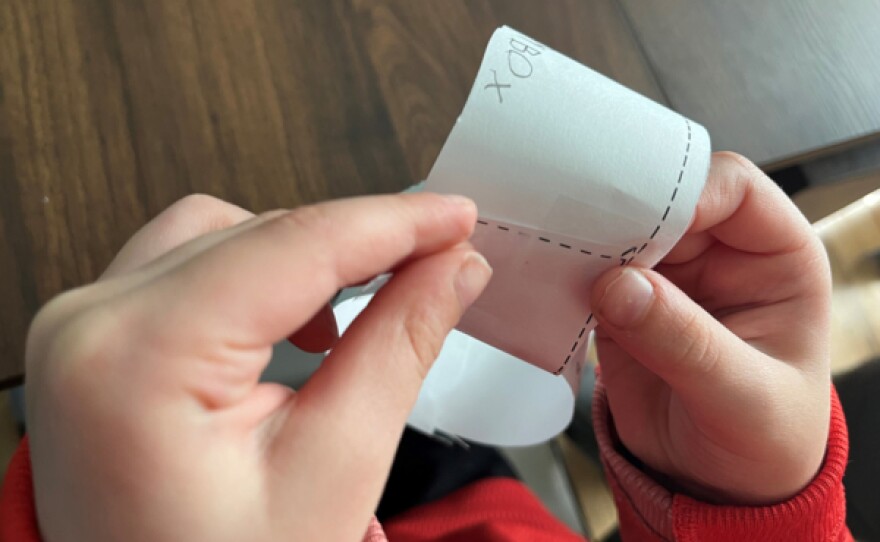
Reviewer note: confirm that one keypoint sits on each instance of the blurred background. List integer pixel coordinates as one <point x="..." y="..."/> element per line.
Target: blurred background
<point x="112" y="110"/>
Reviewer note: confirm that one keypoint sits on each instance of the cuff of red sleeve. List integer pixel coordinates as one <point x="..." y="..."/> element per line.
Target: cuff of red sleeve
<point x="649" y="511"/>
<point x="18" y="514"/>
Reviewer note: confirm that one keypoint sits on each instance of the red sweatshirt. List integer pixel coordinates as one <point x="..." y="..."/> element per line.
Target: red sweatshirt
<point x="503" y="510"/>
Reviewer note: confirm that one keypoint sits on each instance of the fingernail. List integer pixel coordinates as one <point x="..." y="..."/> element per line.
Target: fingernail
<point x="626" y="299"/>
<point x="459" y="201"/>
<point x="472" y="277"/>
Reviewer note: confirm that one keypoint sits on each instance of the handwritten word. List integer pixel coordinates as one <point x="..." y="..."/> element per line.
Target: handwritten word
<point x="520" y="55"/>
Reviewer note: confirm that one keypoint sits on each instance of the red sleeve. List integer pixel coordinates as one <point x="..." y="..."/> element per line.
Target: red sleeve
<point x="649" y="512"/>
<point x="490" y="510"/>
<point x="18" y="517"/>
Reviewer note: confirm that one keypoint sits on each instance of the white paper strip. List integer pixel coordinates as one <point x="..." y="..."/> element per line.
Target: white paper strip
<point x="573" y="174"/>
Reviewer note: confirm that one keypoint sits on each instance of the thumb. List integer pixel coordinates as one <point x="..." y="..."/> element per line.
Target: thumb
<point x="665" y="331"/>
<point x="350" y="414"/>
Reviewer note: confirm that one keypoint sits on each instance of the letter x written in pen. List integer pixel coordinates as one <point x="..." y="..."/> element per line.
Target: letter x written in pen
<point x="497" y="86"/>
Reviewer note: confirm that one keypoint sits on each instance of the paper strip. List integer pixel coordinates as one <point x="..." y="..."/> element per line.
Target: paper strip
<point x="573" y="174"/>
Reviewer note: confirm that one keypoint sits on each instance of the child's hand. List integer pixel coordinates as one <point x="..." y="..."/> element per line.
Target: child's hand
<point x="716" y="365"/>
<point x="146" y="418"/>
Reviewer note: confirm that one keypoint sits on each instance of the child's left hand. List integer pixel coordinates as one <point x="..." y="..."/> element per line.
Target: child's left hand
<point x="146" y="417"/>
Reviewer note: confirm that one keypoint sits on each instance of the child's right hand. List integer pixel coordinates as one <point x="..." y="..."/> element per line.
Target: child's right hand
<point x="716" y="365"/>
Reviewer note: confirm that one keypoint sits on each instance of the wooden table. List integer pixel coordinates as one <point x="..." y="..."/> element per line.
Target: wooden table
<point x="110" y="111"/>
<point x="779" y="81"/>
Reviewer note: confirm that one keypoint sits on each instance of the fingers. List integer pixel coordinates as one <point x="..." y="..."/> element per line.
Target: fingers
<point x="248" y="291"/>
<point x="187" y="219"/>
<point x="355" y="406"/>
<point x="261" y="285"/>
<point x="742" y="208"/>
<point x="393" y="344"/>
<point x="670" y="335"/>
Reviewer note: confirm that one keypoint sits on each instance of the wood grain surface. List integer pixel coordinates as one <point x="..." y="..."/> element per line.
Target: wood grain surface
<point x="776" y="80"/>
<point x="110" y="111"/>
